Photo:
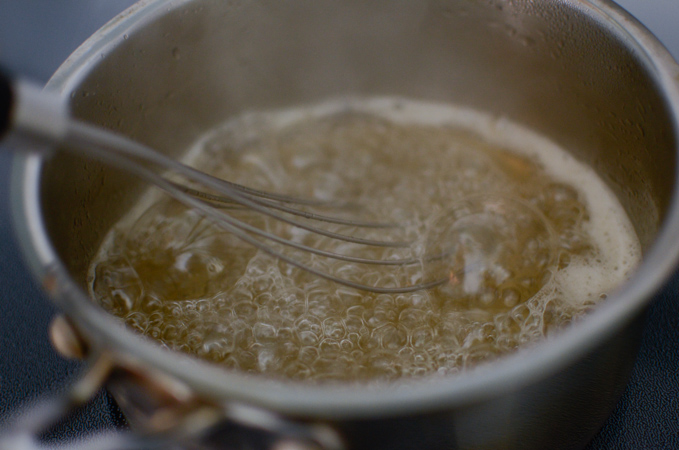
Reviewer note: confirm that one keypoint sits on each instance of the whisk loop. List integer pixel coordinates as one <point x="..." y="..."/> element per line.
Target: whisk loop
<point x="456" y="248"/>
<point x="136" y="158"/>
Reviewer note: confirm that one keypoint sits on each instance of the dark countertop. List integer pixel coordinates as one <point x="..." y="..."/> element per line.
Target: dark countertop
<point x="37" y="35"/>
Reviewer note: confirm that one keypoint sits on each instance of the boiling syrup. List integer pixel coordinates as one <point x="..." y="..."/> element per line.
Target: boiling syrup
<point x="532" y="239"/>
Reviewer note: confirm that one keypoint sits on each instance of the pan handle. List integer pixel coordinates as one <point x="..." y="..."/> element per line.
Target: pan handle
<point x="22" y="433"/>
<point x="181" y="421"/>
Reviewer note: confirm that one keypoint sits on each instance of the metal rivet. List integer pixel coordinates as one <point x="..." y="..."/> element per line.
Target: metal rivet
<point x="65" y="339"/>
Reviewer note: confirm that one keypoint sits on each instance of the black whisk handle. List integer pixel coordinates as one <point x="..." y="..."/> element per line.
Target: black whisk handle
<point x="6" y="100"/>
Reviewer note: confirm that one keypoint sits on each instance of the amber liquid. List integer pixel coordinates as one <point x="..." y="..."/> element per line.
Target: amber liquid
<point x="180" y="279"/>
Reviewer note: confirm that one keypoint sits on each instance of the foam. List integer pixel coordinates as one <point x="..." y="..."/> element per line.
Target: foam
<point x="257" y="315"/>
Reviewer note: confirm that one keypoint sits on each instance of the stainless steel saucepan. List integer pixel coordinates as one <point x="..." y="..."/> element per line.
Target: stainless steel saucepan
<point x="582" y="72"/>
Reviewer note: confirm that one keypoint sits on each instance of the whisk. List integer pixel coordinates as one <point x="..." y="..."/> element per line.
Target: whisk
<point x="29" y="114"/>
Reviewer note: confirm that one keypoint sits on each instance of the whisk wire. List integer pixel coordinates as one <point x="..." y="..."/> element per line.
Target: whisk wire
<point x="127" y="155"/>
<point x="218" y="199"/>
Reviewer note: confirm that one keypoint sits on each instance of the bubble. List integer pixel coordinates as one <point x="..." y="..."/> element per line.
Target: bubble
<point x="247" y="361"/>
<point x="308" y="354"/>
<point x="411" y="317"/>
<point x="421" y="337"/>
<point x="367" y="343"/>
<point x="307" y="338"/>
<point x="266" y="359"/>
<point x="245" y="310"/>
<point x="329" y="347"/>
<point x="297" y="371"/>
<point x="309" y="323"/>
<point x="264" y="332"/>
<point x="118" y="285"/>
<point x="392" y="337"/>
<point x="170" y="333"/>
<point x="334" y="328"/>
<point x="346" y="345"/>
<point x="510" y="296"/>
